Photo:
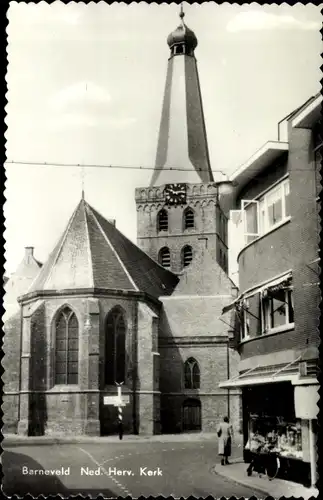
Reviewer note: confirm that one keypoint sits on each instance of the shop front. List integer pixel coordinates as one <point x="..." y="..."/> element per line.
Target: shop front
<point x="280" y="418"/>
<point x="271" y="426"/>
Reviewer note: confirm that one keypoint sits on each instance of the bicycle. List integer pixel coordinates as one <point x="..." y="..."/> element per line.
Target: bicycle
<point x="268" y="463"/>
<point x="272" y="466"/>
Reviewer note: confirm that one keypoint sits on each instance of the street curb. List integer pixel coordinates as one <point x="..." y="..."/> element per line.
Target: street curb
<point x="14" y="440"/>
<point x="217" y="470"/>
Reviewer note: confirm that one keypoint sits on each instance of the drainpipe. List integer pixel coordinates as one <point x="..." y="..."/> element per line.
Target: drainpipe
<point x="312" y="454"/>
<point x="228" y="377"/>
<point x="20" y="372"/>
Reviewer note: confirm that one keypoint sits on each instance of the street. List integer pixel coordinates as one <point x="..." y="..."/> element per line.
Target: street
<point x="179" y="469"/>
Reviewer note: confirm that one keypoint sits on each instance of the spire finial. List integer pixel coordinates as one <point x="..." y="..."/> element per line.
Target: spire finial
<point x="182" y="13"/>
<point x="82" y="174"/>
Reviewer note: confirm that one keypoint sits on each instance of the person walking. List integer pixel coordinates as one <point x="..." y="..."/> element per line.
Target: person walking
<point x="225" y="438"/>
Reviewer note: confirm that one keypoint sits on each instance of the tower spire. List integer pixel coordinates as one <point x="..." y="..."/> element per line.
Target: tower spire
<point x="182" y="151"/>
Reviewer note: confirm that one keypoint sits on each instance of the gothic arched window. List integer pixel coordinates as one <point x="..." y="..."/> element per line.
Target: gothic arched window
<point x="115" y="347"/>
<point x="187" y="256"/>
<point x="164" y="257"/>
<point x="66" y="347"/>
<point x="191" y="374"/>
<point x="189" y="218"/>
<point x="162" y="220"/>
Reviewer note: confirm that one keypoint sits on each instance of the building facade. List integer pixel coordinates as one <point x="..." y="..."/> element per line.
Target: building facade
<point x="277" y="312"/>
<point x="103" y="310"/>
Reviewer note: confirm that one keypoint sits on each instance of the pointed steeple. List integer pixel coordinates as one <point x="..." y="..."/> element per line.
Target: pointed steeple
<point x="182" y="152"/>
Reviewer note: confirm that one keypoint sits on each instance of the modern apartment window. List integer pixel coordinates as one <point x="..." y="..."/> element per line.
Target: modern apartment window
<point x="263" y="214"/>
<point x="277" y="309"/>
<point x="189" y="222"/>
<point x="245" y="325"/>
<point x="164" y="257"/>
<point x="162" y="220"/>
<point x="187" y="256"/>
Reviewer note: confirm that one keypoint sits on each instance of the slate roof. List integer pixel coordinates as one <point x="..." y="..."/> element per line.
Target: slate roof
<point x="93" y="253"/>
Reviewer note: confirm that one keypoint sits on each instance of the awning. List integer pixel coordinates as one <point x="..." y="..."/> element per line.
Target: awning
<point x="232" y="305"/>
<point x="281" y="283"/>
<point x="251" y="377"/>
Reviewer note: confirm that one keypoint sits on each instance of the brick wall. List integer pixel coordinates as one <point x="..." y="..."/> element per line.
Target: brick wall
<point x="11" y="366"/>
<point x="293" y="245"/>
<point x="202" y="198"/>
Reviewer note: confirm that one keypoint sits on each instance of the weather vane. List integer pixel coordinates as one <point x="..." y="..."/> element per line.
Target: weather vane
<point x="182" y="13"/>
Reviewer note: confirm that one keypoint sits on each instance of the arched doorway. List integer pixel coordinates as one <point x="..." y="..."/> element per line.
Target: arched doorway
<point x="192" y="415"/>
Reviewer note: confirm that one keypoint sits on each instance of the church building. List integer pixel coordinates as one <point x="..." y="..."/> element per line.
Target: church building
<point x="102" y="310"/>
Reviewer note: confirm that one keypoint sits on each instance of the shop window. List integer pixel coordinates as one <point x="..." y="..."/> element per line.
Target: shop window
<point x="162" y="220"/>
<point x="164" y="257"/>
<point x="115" y="347"/>
<point x="66" y="347"/>
<point x="275" y="434"/>
<point x="277" y="308"/>
<point x="191" y="374"/>
<point x="189" y="222"/>
<point x="187" y="256"/>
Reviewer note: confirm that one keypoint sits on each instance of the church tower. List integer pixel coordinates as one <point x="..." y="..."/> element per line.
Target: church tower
<point x="179" y="214"/>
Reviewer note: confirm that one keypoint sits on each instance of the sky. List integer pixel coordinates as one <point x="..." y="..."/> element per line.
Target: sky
<point x="86" y="83"/>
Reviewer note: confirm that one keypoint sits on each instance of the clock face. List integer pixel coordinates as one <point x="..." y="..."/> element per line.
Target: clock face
<point x="175" y="194"/>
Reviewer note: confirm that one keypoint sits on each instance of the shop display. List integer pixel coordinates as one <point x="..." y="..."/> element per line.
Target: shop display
<point x="274" y="435"/>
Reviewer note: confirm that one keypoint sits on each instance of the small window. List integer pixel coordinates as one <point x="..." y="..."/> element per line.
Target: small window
<point x="187" y="256"/>
<point x="180" y="49"/>
<point x="191" y="374"/>
<point x="162" y="220"/>
<point x="189" y="219"/>
<point x="164" y="257"/>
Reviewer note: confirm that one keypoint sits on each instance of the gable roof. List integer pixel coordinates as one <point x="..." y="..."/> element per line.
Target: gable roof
<point x="93" y="253"/>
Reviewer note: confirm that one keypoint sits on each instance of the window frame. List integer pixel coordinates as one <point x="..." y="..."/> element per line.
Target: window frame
<point x="68" y="314"/>
<point x="194" y="380"/>
<point x="114" y="319"/>
<point x="261" y="202"/>
<point x="266" y="305"/>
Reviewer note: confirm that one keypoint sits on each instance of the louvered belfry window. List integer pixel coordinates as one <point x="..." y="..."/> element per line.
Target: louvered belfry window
<point x="66" y="348"/>
<point x="162" y="220"/>
<point x="164" y="257"/>
<point x="189" y="219"/>
<point x="187" y="256"/>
